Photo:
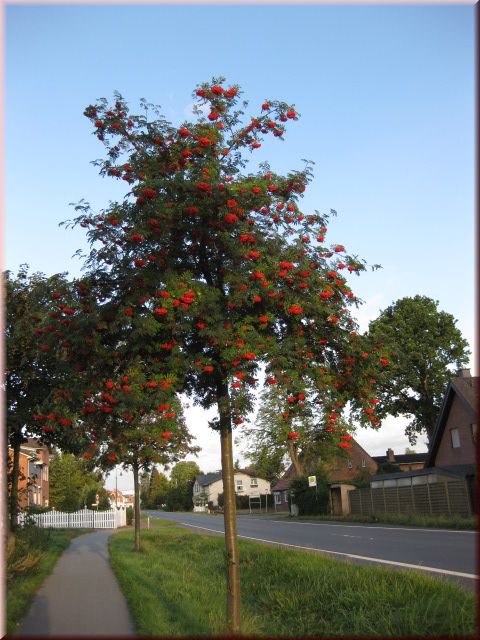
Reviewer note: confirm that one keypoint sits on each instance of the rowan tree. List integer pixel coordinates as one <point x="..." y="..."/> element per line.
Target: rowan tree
<point x="218" y="272"/>
<point x="122" y="411"/>
<point x="135" y="423"/>
<point x="35" y="369"/>
<point x="426" y="347"/>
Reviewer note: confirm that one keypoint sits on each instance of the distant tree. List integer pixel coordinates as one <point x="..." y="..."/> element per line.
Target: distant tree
<point x="387" y="467"/>
<point x="425" y="346"/>
<point x="144" y="489"/>
<point x="103" y="499"/>
<point x="71" y="484"/>
<point x="409" y="451"/>
<point x="182" y="478"/>
<point x="275" y="439"/>
<point x="266" y="462"/>
<point x="158" y="489"/>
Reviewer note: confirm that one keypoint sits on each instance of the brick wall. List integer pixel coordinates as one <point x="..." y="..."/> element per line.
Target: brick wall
<point x="461" y="418"/>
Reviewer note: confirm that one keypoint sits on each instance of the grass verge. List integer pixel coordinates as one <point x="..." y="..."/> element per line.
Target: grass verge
<point x="176" y="587"/>
<point x="31" y="557"/>
<point x="412" y="520"/>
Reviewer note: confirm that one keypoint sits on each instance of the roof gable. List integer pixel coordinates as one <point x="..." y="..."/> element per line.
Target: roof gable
<point x="466" y="389"/>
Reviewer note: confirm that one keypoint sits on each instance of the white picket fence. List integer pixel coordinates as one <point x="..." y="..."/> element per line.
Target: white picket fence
<point x="83" y="519"/>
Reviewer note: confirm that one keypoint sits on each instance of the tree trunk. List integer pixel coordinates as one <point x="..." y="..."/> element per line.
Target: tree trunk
<point x="136" y="518"/>
<point x="292" y="452"/>
<point x="229" y="514"/>
<point x="13" y="498"/>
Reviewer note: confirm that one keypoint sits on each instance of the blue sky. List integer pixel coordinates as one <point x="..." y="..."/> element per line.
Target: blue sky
<point x="386" y="97"/>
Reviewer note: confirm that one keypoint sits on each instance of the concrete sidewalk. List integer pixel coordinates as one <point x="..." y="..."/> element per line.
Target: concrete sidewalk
<point x="81" y="597"/>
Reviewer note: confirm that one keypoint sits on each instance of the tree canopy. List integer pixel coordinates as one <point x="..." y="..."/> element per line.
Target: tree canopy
<point x="426" y="347"/>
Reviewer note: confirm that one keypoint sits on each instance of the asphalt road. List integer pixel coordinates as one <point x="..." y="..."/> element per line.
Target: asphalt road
<point x="438" y="552"/>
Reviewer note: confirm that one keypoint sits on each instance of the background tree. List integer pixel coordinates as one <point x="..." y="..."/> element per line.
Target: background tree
<point x="216" y="272"/>
<point x="71" y="485"/>
<point x="275" y="439"/>
<point x="158" y="489"/>
<point x="180" y="493"/>
<point x="145" y="489"/>
<point x="426" y="347"/>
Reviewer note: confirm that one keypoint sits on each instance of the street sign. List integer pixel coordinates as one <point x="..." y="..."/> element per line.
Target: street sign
<point x="312" y="481"/>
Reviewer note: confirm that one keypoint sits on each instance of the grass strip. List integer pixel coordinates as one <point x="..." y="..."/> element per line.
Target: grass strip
<point x="176" y="586"/>
<point x="413" y="520"/>
<point x="44" y="547"/>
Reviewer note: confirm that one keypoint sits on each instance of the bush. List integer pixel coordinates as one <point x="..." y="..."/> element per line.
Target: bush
<point x="35" y="508"/>
<point x="129" y="515"/>
<point x="310" y="501"/>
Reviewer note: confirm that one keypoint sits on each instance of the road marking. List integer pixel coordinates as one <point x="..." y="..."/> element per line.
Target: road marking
<point x="360" y="526"/>
<point x="405" y="565"/>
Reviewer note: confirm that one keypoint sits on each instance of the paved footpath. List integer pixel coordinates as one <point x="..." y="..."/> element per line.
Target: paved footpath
<point x="81" y="597"/>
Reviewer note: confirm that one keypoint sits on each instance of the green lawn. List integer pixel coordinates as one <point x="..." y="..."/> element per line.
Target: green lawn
<point x="412" y="520"/>
<point x="28" y="564"/>
<point x="176" y="587"/>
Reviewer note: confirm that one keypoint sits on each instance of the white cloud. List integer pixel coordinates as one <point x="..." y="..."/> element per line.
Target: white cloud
<point x="390" y="435"/>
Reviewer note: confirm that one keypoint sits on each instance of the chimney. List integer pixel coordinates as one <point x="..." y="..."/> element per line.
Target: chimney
<point x="390" y="456"/>
<point x="464" y="373"/>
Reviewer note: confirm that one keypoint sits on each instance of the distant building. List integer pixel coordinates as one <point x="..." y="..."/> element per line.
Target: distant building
<point x="344" y="469"/>
<point x="452" y="453"/>
<point x="207" y="487"/>
<point x="116" y="498"/>
<point x="403" y="461"/>
<point x="33" y="482"/>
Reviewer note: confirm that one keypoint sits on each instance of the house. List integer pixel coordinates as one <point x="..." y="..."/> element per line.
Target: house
<point x="207" y="487"/>
<point x="33" y="482"/>
<point x="341" y="472"/>
<point x="452" y="453"/>
<point x="403" y="461"/>
<point x="454" y="440"/>
<point x="116" y="498"/>
<point x="129" y="497"/>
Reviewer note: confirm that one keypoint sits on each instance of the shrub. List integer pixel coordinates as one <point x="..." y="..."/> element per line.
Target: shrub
<point x="129" y="515"/>
<point x="310" y="501"/>
<point x="35" y="508"/>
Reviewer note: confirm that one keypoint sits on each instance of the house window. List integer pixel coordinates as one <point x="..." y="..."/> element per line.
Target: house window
<point x="349" y="464"/>
<point x="455" y="436"/>
<point x="239" y="485"/>
<point x="253" y="482"/>
<point x="473" y="427"/>
<point x="364" y="462"/>
<point x="278" y="498"/>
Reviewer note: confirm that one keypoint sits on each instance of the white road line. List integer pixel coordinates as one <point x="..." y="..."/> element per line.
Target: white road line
<point x="459" y="574"/>
<point x="361" y="526"/>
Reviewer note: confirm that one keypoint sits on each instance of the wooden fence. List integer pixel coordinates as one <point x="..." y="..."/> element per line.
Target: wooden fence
<point x="83" y="519"/>
<point x="440" y="498"/>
